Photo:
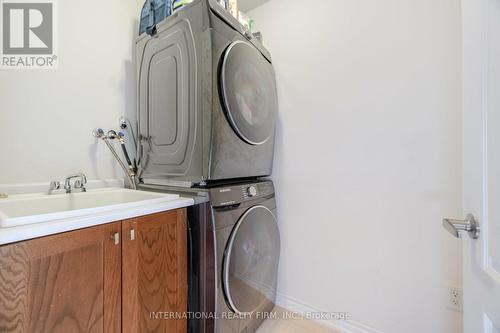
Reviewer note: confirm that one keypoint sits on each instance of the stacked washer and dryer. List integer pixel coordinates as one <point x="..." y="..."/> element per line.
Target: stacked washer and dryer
<point x="207" y="115"/>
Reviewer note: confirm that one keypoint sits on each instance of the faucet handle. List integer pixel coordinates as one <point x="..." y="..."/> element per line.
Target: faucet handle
<point x="79" y="182"/>
<point x="55" y="185"/>
<point x="98" y="133"/>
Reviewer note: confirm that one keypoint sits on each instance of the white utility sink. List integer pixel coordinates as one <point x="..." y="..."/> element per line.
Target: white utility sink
<point x="21" y="209"/>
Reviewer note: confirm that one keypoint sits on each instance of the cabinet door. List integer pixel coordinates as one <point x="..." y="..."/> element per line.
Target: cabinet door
<point x="155" y="273"/>
<point x="69" y="282"/>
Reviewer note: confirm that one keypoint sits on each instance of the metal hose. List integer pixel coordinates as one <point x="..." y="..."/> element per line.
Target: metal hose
<point x="130" y="173"/>
<point x="130" y="176"/>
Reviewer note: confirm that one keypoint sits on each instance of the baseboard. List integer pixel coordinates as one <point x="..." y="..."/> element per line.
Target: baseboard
<point x="342" y="326"/>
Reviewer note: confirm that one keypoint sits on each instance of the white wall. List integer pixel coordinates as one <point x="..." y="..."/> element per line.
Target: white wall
<point x="368" y="158"/>
<point x="46" y="117"/>
<point x="247" y="5"/>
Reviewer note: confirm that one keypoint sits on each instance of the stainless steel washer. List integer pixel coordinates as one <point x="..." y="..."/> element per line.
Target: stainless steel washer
<point x="247" y="253"/>
<point x="234" y="253"/>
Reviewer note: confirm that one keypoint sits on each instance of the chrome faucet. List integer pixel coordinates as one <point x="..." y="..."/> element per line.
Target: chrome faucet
<point x="78" y="185"/>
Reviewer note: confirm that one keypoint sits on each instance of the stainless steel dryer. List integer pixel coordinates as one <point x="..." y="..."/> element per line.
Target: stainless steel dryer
<point x="207" y="100"/>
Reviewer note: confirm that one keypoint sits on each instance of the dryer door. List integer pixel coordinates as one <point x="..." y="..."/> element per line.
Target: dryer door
<point x="250" y="265"/>
<point x="248" y="89"/>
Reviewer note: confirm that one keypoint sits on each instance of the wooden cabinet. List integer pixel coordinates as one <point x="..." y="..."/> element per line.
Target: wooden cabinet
<point x="90" y="280"/>
<point x="155" y="273"/>
<point x="64" y="283"/>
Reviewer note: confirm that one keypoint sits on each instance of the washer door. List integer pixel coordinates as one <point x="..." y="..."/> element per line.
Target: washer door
<point x="248" y="88"/>
<point x="251" y="258"/>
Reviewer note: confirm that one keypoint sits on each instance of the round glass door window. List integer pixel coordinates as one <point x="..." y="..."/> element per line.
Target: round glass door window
<point x="250" y="264"/>
<point x="248" y="88"/>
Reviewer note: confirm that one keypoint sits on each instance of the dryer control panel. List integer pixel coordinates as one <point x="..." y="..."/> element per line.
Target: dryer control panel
<point x="236" y="194"/>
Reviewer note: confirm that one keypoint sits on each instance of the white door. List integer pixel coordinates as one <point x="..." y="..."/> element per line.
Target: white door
<point x="481" y="167"/>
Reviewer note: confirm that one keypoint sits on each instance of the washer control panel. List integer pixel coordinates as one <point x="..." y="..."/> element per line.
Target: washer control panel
<point x="232" y="195"/>
<point x="251" y="191"/>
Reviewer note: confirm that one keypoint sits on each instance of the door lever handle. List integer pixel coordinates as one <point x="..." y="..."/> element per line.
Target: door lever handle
<point x="455" y="227"/>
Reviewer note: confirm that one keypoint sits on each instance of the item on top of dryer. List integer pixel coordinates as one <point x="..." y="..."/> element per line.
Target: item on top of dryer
<point x="178" y="4"/>
<point x="258" y="35"/>
<point x="222" y="3"/>
<point x="152" y="13"/>
<point x="245" y="21"/>
<point x="207" y="100"/>
<point x="233" y="8"/>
